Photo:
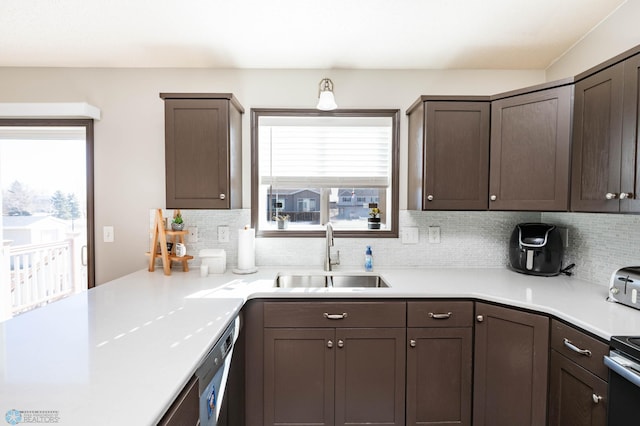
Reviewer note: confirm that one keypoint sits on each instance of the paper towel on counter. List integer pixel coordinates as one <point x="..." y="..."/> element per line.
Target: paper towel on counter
<point x="246" y="249"/>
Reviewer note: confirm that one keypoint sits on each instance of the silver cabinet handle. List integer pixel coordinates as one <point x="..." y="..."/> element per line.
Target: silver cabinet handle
<point x="493" y="197"/>
<point x="412" y="343"/>
<point x="611" y="196"/>
<point x="596" y="398"/>
<point x="329" y="344"/>
<point x="335" y="316"/>
<point x="429" y="197"/>
<point x="222" y="196"/>
<point x="624" y="195"/>
<point x="440" y="316"/>
<point x="568" y="344"/>
<point x="480" y="318"/>
<point x="340" y="343"/>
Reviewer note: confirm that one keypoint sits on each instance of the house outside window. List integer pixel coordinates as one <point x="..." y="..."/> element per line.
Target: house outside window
<point x="324" y="167"/>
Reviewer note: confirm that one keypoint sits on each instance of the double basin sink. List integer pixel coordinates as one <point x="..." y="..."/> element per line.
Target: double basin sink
<point x="328" y="279"/>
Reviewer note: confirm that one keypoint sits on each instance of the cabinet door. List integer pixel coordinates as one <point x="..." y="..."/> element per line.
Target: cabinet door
<point x="299" y="376"/>
<point x="185" y="410"/>
<point x="439" y="363"/>
<point x="597" y="137"/>
<point x="370" y="376"/>
<point x="630" y="173"/>
<point x="576" y="397"/>
<point x="510" y="367"/>
<point x="197" y="153"/>
<point x="456" y="156"/>
<point x="530" y="151"/>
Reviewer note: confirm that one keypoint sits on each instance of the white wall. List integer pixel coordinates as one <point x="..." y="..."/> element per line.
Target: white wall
<point x="129" y="139"/>
<point x="616" y="34"/>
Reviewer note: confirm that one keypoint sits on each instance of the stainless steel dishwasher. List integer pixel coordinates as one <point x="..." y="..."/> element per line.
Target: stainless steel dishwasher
<point x="213" y="373"/>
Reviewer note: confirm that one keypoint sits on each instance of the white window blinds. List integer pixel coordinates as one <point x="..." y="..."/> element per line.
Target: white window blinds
<point x="325" y="152"/>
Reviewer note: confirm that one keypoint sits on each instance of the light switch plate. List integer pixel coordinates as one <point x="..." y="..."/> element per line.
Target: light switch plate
<point x="410" y="235"/>
<point x="107" y="234"/>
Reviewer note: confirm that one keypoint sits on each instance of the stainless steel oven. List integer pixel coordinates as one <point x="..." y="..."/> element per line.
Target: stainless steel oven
<point x="624" y="381"/>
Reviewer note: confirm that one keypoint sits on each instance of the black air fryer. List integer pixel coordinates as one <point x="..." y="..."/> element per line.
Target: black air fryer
<point x="536" y="249"/>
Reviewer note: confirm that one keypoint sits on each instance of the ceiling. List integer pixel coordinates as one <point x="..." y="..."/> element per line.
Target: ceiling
<point x="277" y="34"/>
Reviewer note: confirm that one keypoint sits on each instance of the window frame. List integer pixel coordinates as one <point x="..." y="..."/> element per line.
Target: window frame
<point x="394" y="114"/>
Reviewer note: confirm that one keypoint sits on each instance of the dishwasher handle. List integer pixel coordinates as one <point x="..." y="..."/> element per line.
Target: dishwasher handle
<point x="627" y="373"/>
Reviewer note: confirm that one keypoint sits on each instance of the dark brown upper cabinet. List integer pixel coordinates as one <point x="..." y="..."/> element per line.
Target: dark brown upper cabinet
<point x="203" y="150"/>
<point x="597" y="141"/>
<point x="530" y="151"/>
<point x="448" y="154"/>
<point x="605" y="140"/>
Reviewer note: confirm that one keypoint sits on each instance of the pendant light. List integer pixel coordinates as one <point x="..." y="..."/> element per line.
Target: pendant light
<point x="326" y="101"/>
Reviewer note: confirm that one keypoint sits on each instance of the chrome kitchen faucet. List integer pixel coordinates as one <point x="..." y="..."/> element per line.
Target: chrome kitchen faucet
<point x="328" y="261"/>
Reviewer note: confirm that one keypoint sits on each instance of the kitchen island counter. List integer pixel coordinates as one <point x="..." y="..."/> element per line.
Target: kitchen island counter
<point x="121" y="352"/>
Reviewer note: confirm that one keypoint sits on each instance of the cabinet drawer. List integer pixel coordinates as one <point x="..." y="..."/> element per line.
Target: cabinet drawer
<point x="439" y="314"/>
<point x="335" y="314"/>
<point x="580" y="341"/>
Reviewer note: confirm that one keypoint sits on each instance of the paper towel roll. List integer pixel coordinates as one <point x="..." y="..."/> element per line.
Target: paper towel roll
<point x="246" y="249"/>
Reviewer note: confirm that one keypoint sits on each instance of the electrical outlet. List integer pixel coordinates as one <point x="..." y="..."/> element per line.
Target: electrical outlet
<point x="434" y="234"/>
<point x="107" y="234"/>
<point x="223" y="234"/>
<point x="192" y="236"/>
<point x="410" y="235"/>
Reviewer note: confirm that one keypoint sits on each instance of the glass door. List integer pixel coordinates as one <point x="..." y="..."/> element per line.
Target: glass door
<point x="46" y="184"/>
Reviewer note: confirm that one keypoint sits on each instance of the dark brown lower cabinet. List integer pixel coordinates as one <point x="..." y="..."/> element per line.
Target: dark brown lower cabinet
<point x="439" y="365"/>
<point x="299" y="371"/>
<point x="185" y="410"/>
<point x="576" y="396"/>
<point x="341" y="376"/>
<point x="510" y="367"/>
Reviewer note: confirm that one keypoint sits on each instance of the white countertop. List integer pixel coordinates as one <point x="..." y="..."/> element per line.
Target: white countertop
<point x="120" y="353"/>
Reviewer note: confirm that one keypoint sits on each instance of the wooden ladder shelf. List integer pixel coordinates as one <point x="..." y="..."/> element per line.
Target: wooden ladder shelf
<point x="160" y="235"/>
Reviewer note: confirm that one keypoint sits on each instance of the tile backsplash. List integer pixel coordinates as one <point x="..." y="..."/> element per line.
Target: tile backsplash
<point x="598" y="243"/>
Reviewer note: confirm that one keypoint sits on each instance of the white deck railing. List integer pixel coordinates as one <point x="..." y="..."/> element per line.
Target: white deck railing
<point x="40" y="273"/>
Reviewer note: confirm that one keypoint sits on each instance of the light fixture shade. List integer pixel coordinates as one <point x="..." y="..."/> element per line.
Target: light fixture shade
<point x="326" y="101"/>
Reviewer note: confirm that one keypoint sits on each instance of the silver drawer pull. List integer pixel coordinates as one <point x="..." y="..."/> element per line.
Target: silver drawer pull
<point x="440" y="316"/>
<point x="341" y="343"/>
<point x="412" y="343"/>
<point x="568" y="344"/>
<point x="596" y="398"/>
<point x="329" y="344"/>
<point x="335" y="316"/>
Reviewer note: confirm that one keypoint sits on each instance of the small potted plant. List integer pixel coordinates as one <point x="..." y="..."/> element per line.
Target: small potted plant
<point x="374" y="216"/>
<point x="177" y="224"/>
<point x="282" y="220"/>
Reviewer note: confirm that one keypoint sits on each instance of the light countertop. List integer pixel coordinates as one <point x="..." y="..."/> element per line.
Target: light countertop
<point x="121" y="352"/>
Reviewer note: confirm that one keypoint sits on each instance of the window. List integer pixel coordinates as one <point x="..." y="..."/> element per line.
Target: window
<point x="313" y="167"/>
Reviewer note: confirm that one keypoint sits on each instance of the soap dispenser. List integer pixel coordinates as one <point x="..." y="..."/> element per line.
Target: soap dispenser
<point x="368" y="260"/>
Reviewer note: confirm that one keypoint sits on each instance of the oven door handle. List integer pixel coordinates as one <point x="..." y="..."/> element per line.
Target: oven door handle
<point x="623" y="371"/>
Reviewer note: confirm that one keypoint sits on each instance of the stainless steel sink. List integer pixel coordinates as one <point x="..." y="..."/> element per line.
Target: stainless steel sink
<point x="333" y="280"/>
<point x="368" y="281"/>
<point x="294" y="281"/>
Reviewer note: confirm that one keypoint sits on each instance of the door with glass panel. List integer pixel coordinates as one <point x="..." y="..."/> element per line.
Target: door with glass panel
<point x="47" y="211"/>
